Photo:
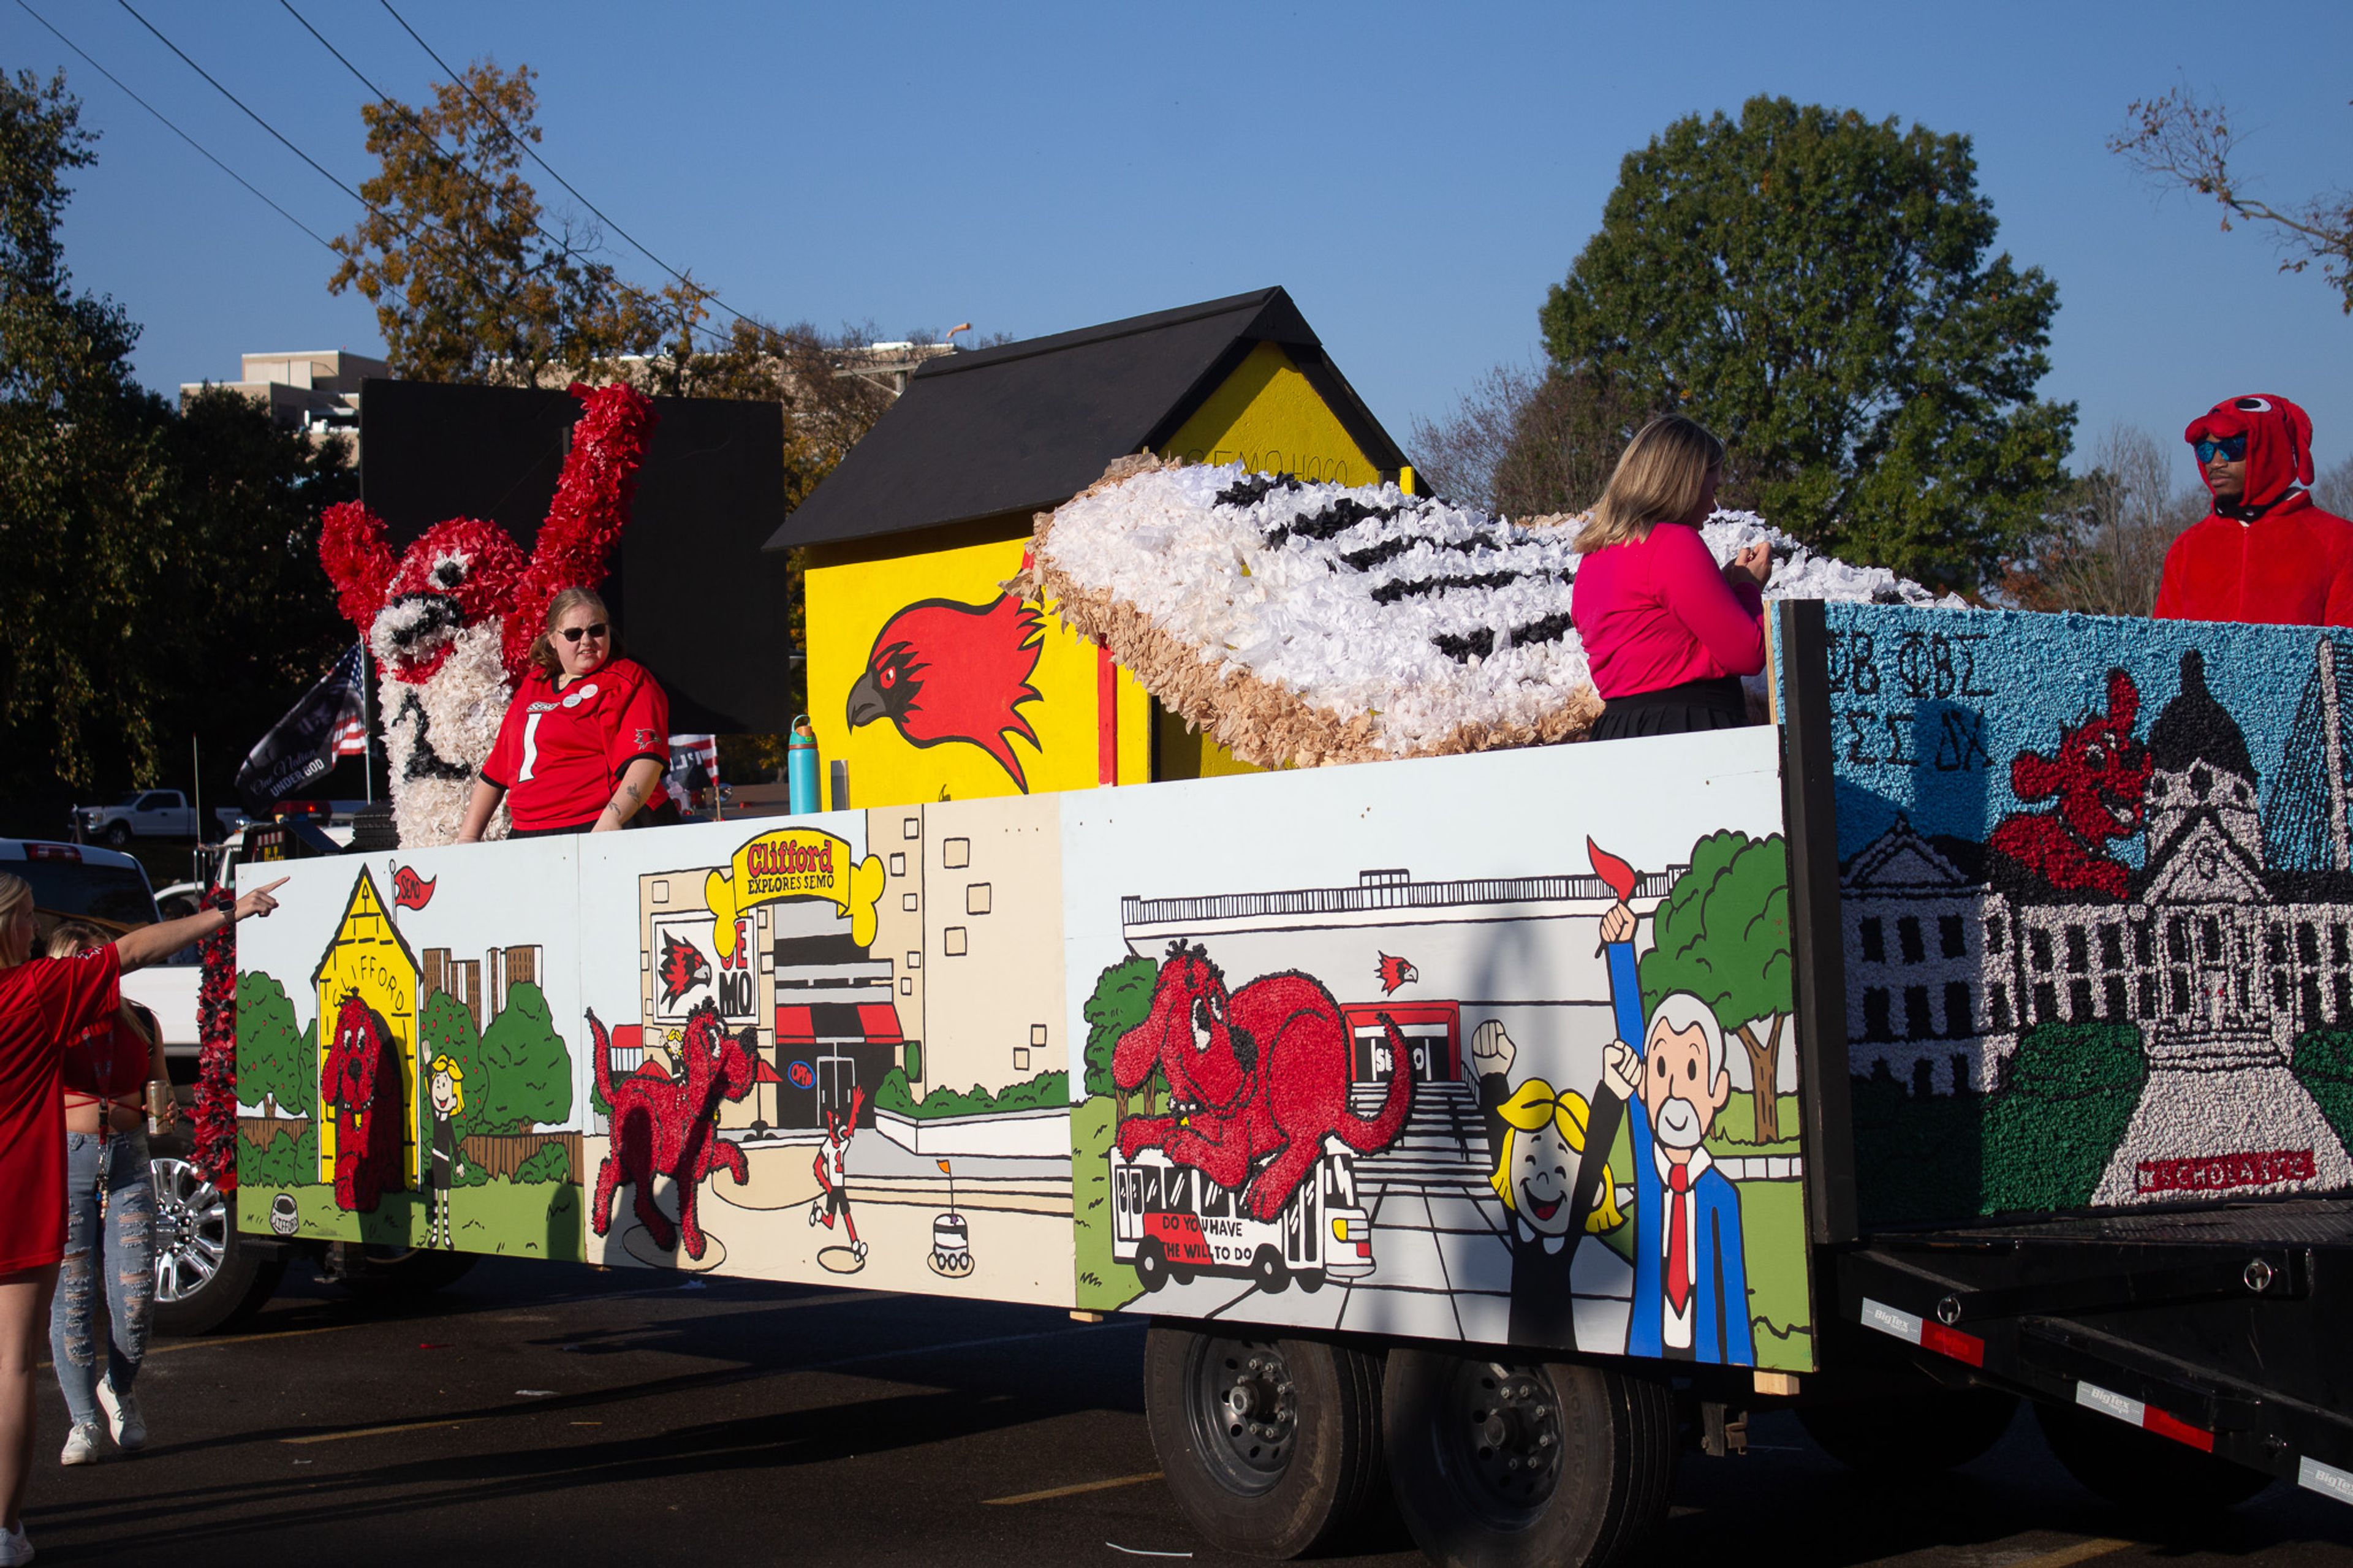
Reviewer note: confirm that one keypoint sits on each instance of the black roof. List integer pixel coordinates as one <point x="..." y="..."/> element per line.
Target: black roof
<point x="1028" y="425"/>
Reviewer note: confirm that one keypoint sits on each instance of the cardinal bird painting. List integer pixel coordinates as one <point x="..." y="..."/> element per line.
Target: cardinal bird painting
<point x="944" y="672"/>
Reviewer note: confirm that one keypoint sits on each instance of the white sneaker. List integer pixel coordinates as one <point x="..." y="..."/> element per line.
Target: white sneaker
<point x="82" y="1445"/>
<point x="16" y="1546"/>
<point x="122" y="1417"/>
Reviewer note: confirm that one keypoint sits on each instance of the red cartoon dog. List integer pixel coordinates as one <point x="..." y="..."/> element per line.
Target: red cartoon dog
<point x="360" y="1080"/>
<point x="668" y="1126"/>
<point x="2100" y="779"/>
<point x="1261" y="1072"/>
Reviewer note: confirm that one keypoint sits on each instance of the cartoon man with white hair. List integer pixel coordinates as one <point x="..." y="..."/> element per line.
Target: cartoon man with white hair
<point x="1691" y="1281"/>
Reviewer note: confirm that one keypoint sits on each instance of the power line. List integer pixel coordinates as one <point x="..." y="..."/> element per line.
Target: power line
<point x="456" y="165"/>
<point x="175" y="130"/>
<point x="533" y="155"/>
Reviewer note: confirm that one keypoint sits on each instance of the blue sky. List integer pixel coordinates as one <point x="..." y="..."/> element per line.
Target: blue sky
<point x="1416" y="176"/>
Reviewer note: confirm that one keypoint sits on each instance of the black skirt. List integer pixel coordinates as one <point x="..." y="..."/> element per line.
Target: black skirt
<point x="1713" y="704"/>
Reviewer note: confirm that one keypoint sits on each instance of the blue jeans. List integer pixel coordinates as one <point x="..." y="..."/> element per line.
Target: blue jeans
<point x="128" y="1268"/>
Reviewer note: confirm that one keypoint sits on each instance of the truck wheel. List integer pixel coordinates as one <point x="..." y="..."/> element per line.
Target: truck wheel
<point x="118" y="834"/>
<point x="2141" y="1471"/>
<point x="1911" y="1434"/>
<point x="1151" y="1263"/>
<point x="1271" y="1446"/>
<point x="1268" y="1271"/>
<point x="1513" y="1464"/>
<point x="206" y="1276"/>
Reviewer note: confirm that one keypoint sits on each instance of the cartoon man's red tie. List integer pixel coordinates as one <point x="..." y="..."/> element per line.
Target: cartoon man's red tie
<point x="1679" y="1239"/>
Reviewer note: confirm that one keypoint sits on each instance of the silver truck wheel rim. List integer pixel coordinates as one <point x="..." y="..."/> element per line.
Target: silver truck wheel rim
<point x="192" y="1226"/>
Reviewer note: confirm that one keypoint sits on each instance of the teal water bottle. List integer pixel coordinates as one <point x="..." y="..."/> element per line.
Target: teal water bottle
<point x="800" y="768"/>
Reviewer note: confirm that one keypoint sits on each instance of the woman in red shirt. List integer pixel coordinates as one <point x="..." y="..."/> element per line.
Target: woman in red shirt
<point x="1667" y="634"/>
<point x="586" y="739"/>
<point x="110" y="1217"/>
<point x="44" y="1004"/>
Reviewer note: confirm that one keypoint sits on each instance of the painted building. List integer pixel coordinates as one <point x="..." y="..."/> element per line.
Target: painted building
<point x="368" y="958"/>
<point x="910" y="539"/>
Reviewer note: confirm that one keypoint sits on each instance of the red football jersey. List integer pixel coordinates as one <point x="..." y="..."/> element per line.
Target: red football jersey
<point x="559" y="754"/>
<point x="44" y="1003"/>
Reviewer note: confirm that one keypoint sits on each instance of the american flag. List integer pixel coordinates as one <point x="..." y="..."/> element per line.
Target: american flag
<point x="326" y="724"/>
<point x="349" y="737"/>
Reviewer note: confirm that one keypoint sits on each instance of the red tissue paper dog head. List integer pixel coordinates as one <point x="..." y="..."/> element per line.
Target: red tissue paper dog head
<point x="450" y="621"/>
<point x="2099" y="782"/>
<point x="2279" y="443"/>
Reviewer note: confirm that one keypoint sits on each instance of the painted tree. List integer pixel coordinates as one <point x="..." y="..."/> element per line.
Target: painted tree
<point x="1820" y="289"/>
<point x="1123" y="996"/>
<point x="1722" y="934"/>
<point x="448" y="1029"/>
<point x="277" y="1065"/>
<point x="527" y="1066"/>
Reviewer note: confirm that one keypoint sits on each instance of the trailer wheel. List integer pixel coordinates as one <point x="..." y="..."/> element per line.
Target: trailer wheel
<point x="1151" y="1263"/>
<point x="1511" y="1465"/>
<point x="1271" y="1446"/>
<point x="1267" y="1269"/>
<point x="1912" y="1433"/>
<point x="2143" y="1472"/>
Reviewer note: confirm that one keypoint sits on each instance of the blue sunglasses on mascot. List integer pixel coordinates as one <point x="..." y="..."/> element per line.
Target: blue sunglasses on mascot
<point x="2230" y="448"/>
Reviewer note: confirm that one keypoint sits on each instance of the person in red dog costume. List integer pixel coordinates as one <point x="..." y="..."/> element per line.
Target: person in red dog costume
<point x="2266" y="552"/>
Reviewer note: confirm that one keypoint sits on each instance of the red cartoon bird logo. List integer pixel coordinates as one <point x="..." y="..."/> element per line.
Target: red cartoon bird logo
<point x="409" y="890"/>
<point x="943" y="672"/>
<point x="1396" y="972"/>
<point x="683" y="968"/>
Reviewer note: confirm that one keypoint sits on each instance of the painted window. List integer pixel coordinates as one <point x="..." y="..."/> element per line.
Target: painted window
<point x="1958" y="1022"/>
<point x="1874" y="1014"/>
<point x="1907" y="937"/>
<point x="1874" y="941"/>
<point x="1950" y="938"/>
<point x="1917" y="1025"/>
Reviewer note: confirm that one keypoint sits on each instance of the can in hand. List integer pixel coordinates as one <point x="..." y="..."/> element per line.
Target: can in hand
<point x="160" y="1106"/>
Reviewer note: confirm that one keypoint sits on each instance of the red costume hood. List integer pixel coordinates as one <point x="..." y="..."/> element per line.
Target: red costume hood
<point x="2279" y="446"/>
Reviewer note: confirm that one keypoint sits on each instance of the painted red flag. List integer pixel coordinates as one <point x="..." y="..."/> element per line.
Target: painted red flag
<point x="1612" y="871"/>
<point x="409" y="890"/>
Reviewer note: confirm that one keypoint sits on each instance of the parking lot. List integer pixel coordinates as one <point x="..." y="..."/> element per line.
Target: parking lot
<point x="544" y="1413"/>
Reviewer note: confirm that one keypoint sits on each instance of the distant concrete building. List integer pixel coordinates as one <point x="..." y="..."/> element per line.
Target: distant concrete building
<point x="317" y="392"/>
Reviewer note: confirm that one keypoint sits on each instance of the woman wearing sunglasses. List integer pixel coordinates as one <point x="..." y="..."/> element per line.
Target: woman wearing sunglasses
<point x="584" y="740"/>
<point x="2266" y="552"/>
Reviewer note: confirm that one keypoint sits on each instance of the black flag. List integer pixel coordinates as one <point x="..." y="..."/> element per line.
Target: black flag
<point x="326" y="724"/>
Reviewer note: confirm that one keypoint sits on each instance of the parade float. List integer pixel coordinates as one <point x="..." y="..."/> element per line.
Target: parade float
<point x="1470" y="1109"/>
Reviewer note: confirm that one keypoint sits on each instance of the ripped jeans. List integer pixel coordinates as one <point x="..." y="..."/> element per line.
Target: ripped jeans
<point x="129" y="1268"/>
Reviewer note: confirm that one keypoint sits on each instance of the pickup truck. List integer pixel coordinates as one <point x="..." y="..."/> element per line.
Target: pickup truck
<point x="141" y="813"/>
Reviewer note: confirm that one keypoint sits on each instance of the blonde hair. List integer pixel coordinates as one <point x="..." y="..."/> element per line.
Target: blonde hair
<point x="542" y="646"/>
<point x="448" y="1064"/>
<point x="15" y="893"/>
<point x="73" y="937"/>
<point x="1658" y="478"/>
<point x="1533" y="1104"/>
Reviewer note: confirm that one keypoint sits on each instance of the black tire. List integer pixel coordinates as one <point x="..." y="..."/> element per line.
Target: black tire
<point x="1913" y="1434"/>
<point x="207" y="1277"/>
<point x="1309" y="1281"/>
<point x="1272" y="1447"/>
<point x="1268" y="1271"/>
<point x="1151" y="1263"/>
<point x="404" y="1273"/>
<point x="2139" y="1471"/>
<point x="117" y="835"/>
<point x="1480" y="1487"/>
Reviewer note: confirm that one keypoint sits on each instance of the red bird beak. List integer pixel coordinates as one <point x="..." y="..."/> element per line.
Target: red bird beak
<point x="865" y="702"/>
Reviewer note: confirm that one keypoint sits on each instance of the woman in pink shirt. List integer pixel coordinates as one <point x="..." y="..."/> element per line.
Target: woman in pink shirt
<point x="1667" y="633"/>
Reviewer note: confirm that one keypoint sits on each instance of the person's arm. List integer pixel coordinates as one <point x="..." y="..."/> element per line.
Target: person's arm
<point x="143" y="946"/>
<point x="158" y="1070"/>
<point x="478" y="806"/>
<point x="637" y="786"/>
<point x="1728" y="621"/>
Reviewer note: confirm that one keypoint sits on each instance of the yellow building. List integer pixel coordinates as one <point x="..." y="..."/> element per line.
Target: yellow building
<point x="924" y="677"/>
<point x="369" y="958"/>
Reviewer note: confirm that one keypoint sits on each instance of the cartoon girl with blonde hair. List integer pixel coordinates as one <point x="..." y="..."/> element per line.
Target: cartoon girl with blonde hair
<point x="1539" y="1149"/>
<point x="446" y="1099"/>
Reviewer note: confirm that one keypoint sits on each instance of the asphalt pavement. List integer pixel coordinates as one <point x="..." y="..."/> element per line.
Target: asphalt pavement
<point x="549" y="1413"/>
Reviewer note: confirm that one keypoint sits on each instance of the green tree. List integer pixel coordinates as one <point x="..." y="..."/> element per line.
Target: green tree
<point x="1722" y="934"/>
<point x="86" y="542"/>
<point x="468" y="283"/>
<point x="1122" y="997"/>
<point x="527" y="1067"/>
<point x="1814" y="287"/>
<point x="277" y="1065"/>
<point x="448" y="1029"/>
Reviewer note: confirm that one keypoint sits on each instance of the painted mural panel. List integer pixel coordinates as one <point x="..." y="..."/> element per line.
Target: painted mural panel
<point x="1493" y="1047"/>
<point x="407" y="1064"/>
<point x="829" y="1048"/>
<point x="2097" y="901"/>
